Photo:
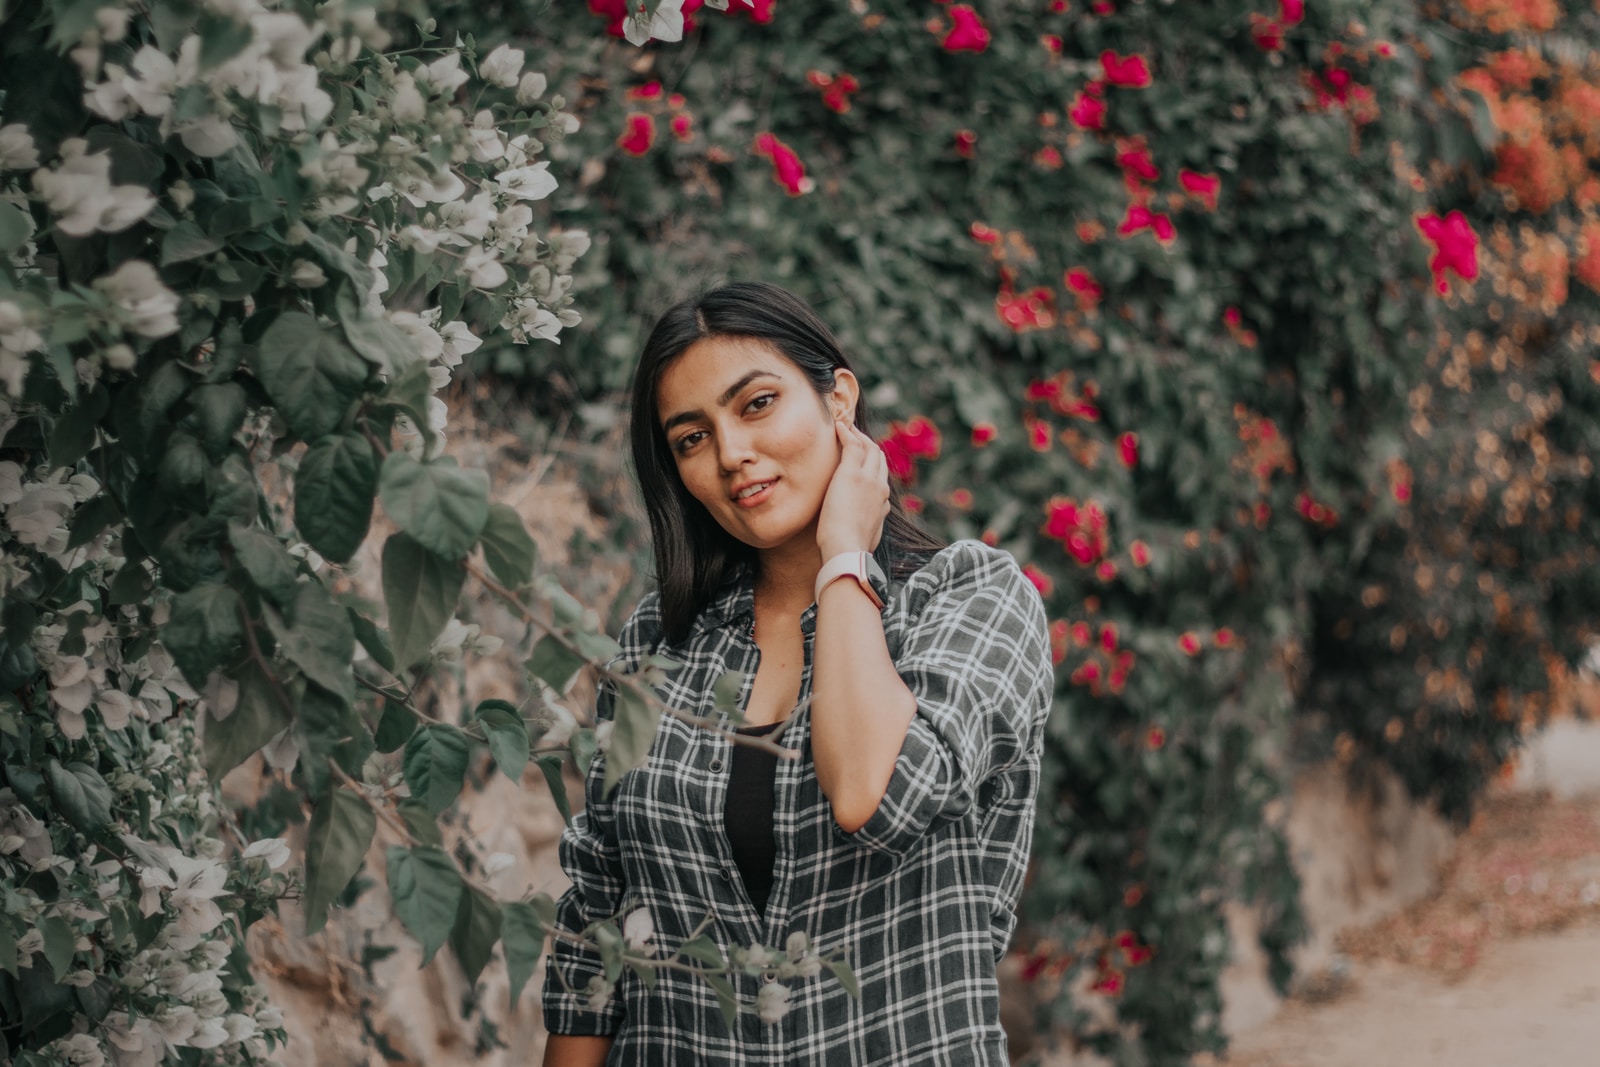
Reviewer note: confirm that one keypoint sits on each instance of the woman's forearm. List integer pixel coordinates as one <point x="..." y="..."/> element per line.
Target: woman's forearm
<point x="568" y="1050"/>
<point x="860" y="708"/>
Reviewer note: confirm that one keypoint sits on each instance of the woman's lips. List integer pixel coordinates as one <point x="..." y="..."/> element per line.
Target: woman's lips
<point x="758" y="498"/>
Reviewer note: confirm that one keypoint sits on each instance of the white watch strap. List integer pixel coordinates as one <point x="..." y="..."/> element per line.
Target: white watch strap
<point x="847" y="565"/>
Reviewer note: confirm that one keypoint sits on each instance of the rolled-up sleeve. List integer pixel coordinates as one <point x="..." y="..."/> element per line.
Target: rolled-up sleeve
<point x="591" y="858"/>
<point x="977" y="660"/>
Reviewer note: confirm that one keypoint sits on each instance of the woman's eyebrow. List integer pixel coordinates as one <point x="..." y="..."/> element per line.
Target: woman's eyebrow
<point x="722" y="401"/>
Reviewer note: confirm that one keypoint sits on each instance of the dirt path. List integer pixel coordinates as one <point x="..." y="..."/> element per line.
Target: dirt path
<point x="1501" y="968"/>
<point x="1532" y="1002"/>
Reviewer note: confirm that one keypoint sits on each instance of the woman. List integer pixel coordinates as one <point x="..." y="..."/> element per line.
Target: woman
<point x="913" y="679"/>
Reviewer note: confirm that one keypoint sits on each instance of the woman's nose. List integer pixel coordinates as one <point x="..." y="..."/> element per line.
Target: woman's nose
<point x="735" y="448"/>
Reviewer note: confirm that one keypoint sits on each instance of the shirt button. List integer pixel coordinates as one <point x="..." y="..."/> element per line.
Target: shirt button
<point x="727" y="873"/>
<point x="716" y="766"/>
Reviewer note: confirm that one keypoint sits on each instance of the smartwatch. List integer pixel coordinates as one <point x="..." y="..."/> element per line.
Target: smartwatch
<point x="860" y="566"/>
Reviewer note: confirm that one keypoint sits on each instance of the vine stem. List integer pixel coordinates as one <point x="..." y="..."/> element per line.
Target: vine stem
<point x="624" y="681"/>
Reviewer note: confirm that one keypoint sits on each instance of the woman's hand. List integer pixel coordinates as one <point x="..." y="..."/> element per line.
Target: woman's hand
<point x="857" y="500"/>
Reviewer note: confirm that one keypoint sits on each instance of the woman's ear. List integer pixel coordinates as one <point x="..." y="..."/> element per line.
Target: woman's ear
<point x="846" y="394"/>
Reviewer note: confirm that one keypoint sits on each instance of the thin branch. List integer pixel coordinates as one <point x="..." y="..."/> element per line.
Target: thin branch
<point x="626" y="681"/>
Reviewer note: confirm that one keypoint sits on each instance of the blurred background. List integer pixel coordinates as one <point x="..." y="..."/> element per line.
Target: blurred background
<point x="1267" y="336"/>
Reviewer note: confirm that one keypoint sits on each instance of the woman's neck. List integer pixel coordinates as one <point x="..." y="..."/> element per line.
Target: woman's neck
<point x="786" y="575"/>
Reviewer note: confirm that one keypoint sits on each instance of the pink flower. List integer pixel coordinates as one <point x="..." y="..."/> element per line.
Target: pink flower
<point x="1136" y="164"/>
<point x="1081" y="529"/>
<point x="1128" y="449"/>
<point x="901" y="466"/>
<point x="1141" y="218"/>
<point x="1088" y="112"/>
<point x="1291" y="11"/>
<point x="1455" y="248"/>
<point x="966" y="143"/>
<point x="647" y="91"/>
<point x="1078" y="280"/>
<point x="1139" y="552"/>
<point x="1039" y="435"/>
<point x="683" y="127"/>
<point x="1041" y="581"/>
<point x="1131" y="72"/>
<point x="787" y="170"/>
<point x="1189" y="643"/>
<point x="1267" y="33"/>
<point x="639" y="136"/>
<point x="1032" y="310"/>
<point x="1155" y="738"/>
<point x="835" y="91"/>
<point x="920" y="437"/>
<point x="760" y="11"/>
<point x="969" y="33"/>
<point x="983" y="433"/>
<point x="1204" y="186"/>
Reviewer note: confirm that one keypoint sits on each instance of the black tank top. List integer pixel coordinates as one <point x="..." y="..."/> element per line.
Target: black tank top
<point x="747" y="815"/>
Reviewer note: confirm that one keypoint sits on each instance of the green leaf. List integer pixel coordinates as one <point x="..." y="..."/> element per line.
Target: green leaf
<point x="582" y="746"/>
<point x="267" y="562"/>
<point x="726" y="691"/>
<point x="846" y="976"/>
<point x="633" y="730"/>
<point x="522" y="929"/>
<point x="608" y="938"/>
<point x="221" y="38"/>
<point x="257" y="718"/>
<point x="395" y="727"/>
<point x="507" y="548"/>
<point x="8" y="947"/>
<point x="328" y="728"/>
<point x="421" y="591"/>
<point x="16" y="226"/>
<point x="554" y="664"/>
<point x="374" y="640"/>
<point x="476" y="930"/>
<point x="333" y="494"/>
<point x="435" y="765"/>
<point x="219" y="412"/>
<point x="336" y="844"/>
<point x="438" y="503"/>
<point x="507" y="734"/>
<point x="550" y="767"/>
<point x="58" y="944"/>
<point x="73" y="434"/>
<point x="186" y="241"/>
<point x="388" y="346"/>
<point x="421" y="822"/>
<point x="704" y="949"/>
<point x="81" y="794"/>
<point x="204" y="631"/>
<point x="311" y="376"/>
<point x="727" y="1000"/>
<point x="90" y="519"/>
<point x="427" y="889"/>
<point x="321" y="641"/>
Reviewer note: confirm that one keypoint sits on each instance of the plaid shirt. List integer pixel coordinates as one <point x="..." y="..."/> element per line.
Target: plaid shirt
<point x="922" y="897"/>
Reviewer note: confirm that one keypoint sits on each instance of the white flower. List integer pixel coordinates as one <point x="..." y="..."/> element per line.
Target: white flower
<point x="112" y="22"/>
<point x="483" y="269"/>
<point x="79" y="1050"/>
<point x="599" y="991"/>
<point x="772" y="1002"/>
<point x="459" y="341"/>
<point x="531" y="88"/>
<point x="133" y="1043"/>
<point x="405" y="99"/>
<point x="664" y="24"/>
<point x="156" y="81"/>
<point x="526" y="319"/>
<point x="529" y="183"/>
<point x="39" y="516"/>
<point x="210" y="135"/>
<point x="445" y="74"/>
<point x="17" y="150"/>
<point x="561" y="725"/>
<point x="79" y="192"/>
<point x="502" y="66"/>
<point x="120" y="357"/>
<point x="275" y="850"/>
<point x="116" y="707"/>
<point x="16" y="335"/>
<point x="151" y="309"/>
<point x="488" y="145"/>
<point x="306" y="274"/>
<point x="498" y="863"/>
<point x="240" y="1027"/>
<point x="637" y="929"/>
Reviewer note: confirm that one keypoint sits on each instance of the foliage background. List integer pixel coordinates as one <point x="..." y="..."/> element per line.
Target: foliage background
<point x="1307" y="474"/>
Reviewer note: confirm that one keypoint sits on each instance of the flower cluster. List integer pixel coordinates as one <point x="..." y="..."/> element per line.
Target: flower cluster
<point x="907" y="442"/>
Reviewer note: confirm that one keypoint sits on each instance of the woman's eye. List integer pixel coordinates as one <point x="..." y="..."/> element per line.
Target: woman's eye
<point x="687" y="441"/>
<point x="762" y="402"/>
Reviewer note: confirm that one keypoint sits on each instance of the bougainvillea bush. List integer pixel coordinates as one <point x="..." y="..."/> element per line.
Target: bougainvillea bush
<point x="242" y="247"/>
<point x="1220" y="317"/>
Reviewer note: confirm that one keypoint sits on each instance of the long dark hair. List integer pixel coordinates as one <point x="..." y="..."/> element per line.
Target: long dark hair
<point x="695" y="557"/>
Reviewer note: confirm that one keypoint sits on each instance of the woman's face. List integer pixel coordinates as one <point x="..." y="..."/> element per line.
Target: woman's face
<point x="753" y="441"/>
